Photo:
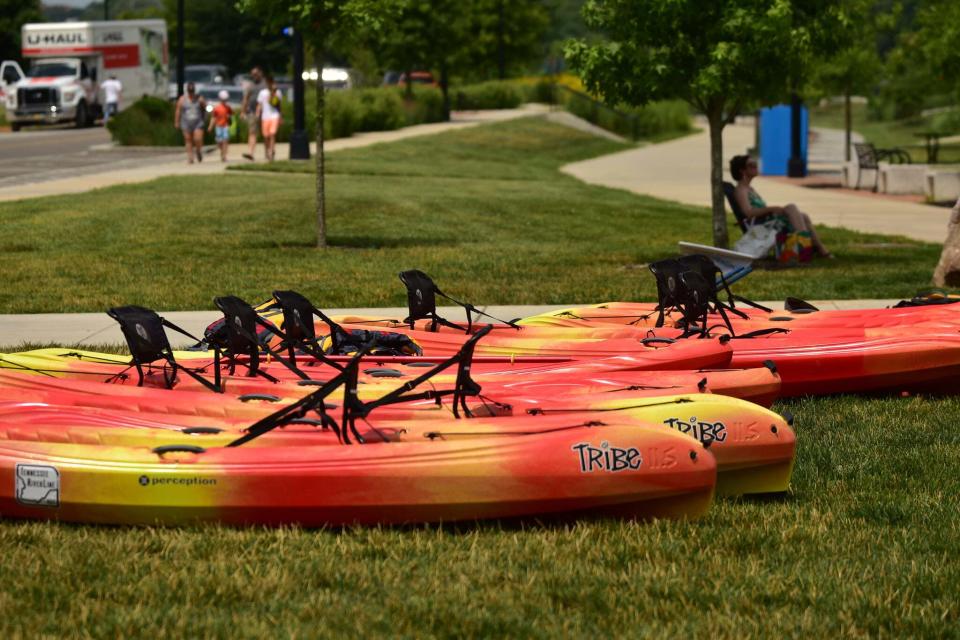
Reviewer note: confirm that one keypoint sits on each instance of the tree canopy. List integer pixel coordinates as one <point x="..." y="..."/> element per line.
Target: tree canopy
<point x="13" y="15"/>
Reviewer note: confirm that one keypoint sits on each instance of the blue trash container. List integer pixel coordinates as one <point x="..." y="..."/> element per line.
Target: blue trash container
<point x="775" y="139"/>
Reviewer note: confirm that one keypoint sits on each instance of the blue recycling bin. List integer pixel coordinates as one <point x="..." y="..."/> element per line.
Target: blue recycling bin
<point x="775" y="139"/>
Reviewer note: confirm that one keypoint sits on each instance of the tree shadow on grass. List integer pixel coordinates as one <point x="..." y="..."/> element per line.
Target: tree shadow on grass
<point x="381" y="242"/>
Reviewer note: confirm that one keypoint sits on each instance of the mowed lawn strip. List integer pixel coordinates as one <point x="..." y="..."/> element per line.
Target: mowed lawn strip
<point x="484" y="210"/>
<point x="864" y="544"/>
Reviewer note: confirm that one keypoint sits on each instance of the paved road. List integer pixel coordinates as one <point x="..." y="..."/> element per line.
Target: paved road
<point x="48" y="154"/>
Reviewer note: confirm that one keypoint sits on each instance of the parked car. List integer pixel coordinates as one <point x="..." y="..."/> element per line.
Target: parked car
<point x="418" y="77"/>
<point x="201" y="75"/>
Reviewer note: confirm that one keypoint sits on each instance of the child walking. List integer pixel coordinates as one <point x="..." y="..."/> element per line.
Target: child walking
<point x="220" y="123"/>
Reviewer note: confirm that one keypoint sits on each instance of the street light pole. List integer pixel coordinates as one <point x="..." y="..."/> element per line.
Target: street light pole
<point x="179" y="48"/>
<point x="796" y="166"/>
<point x="299" y="142"/>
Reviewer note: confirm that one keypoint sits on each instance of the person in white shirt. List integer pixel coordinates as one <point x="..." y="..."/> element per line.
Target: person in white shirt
<point x="268" y="112"/>
<point x="112" y="89"/>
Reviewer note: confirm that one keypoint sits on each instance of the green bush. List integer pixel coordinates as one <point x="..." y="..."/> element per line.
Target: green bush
<point x="426" y="105"/>
<point x="662" y="117"/>
<point x="147" y="122"/>
<point x="649" y="121"/>
<point x="487" y="95"/>
<point x="380" y="110"/>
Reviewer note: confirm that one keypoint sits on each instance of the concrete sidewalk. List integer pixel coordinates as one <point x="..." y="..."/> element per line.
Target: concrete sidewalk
<point x="98" y="329"/>
<point x="680" y="170"/>
<point x="211" y="164"/>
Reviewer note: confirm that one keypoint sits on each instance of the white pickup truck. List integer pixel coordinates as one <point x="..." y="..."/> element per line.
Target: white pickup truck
<point x="69" y="60"/>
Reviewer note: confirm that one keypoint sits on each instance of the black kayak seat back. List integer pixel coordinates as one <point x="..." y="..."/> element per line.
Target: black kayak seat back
<point x="297" y="316"/>
<point x="241" y="323"/>
<point x="421" y="294"/>
<point x="143" y="330"/>
<point x="667" y="273"/>
<point x="701" y="264"/>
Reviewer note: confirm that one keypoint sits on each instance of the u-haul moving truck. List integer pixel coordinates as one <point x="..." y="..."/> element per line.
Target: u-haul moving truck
<point x="69" y="60"/>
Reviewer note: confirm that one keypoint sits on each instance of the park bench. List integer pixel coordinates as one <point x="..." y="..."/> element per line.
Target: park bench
<point x="869" y="157"/>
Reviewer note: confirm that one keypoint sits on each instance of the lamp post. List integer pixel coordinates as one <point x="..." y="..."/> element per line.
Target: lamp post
<point x="299" y="142"/>
<point x="179" y="48"/>
<point x="796" y="166"/>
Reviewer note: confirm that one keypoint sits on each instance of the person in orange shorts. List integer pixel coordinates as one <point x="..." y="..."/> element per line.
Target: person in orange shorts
<point x="268" y="111"/>
<point x="220" y="123"/>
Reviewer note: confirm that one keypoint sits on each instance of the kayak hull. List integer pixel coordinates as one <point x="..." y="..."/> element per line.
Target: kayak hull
<point x="563" y="474"/>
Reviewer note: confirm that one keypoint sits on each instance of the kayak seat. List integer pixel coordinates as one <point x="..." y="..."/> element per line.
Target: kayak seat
<point x="240" y="337"/>
<point x="422" y="295"/>
<point x="144" y="331"/>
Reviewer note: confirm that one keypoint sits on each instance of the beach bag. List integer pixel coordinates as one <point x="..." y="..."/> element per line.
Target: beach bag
<point x="758" y="239"/>
<point x="793" y="247"/>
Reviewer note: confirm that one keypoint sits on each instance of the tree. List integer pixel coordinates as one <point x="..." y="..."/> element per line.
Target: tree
<point x="13" y="15"/>
<point x="507" y="35"/>
<point x="719" y="56"/>
<point x="431" y="34"/>
<point x="320" y="22"/>
<point x="853" y="69"/>
<point x="213" y="29"/>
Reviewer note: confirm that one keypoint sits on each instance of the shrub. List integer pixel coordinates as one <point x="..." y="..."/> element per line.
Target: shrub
<point x="425" y="106"/>
<point x="651" y="120"/>
<point x="380" y="110"/>
<point x="147" y="122"/>
<point x="487" y="95"/>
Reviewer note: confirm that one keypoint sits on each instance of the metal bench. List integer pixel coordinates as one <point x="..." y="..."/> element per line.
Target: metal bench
<point x="869" y="157"/>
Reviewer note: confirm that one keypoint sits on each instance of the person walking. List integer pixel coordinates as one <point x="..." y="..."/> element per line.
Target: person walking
<point x="188" y="117"/>
<point x="251" y="91"/>
<point x="222" y="113"/>
<point x="112" y="88"/>
<point x="268" y="112"/>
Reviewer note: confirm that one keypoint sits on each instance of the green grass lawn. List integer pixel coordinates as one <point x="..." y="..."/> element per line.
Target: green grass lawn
<point x="865" y="544"/>
<point x="887" y="134"/>
<point x="483" y="210"/>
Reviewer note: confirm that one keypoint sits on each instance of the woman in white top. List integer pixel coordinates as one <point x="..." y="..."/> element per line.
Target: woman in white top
<point x="268" y="112"/>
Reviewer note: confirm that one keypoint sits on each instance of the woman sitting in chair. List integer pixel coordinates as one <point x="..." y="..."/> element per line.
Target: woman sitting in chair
<point x="744" y="169"/>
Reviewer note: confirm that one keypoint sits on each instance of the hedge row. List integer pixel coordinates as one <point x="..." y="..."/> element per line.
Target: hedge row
<point x="149" y="121"/>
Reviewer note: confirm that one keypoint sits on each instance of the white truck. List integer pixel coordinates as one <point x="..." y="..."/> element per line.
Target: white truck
<point x="69" y="60"/>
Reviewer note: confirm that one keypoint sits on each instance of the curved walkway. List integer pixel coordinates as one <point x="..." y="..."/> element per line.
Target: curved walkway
<point x="679" y="170"/>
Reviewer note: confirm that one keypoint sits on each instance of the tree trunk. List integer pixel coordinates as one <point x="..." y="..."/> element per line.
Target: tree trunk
<point x="720" y="237"/>
<point x="445" y="89"/>
<point x="848" y="119"/>
<point x="501" y="45"/>
<point x="947" y="273"/>
<point x="321" y="190"/>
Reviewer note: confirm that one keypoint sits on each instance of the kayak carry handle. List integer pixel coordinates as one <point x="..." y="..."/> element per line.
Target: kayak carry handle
<point x="383" y="372"/>
<point x="201" y="431"/>
<point x="657" y="340"/>
<point x="259" y="396"/>
<point x="178" y="448"/>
